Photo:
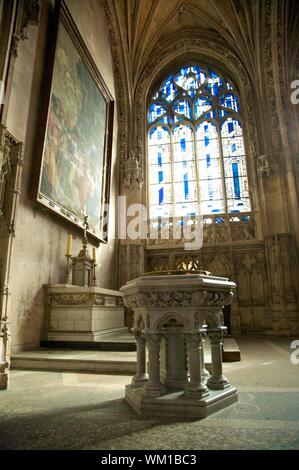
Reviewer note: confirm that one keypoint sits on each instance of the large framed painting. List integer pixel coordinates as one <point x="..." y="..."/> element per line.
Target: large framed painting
<point x="73" y="171"/>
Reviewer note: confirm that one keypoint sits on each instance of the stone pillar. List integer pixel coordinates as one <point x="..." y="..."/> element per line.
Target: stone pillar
<point x="204" y="372"/>
<point x="3" y="354"/>
<point x="3" y="376"/>
<point x="141" y="376"/>
<point x="196" y="387"/>
<point x="217" y="380"/>
<point x="154" y="387"/>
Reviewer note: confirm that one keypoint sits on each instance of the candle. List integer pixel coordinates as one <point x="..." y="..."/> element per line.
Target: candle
<point x="69" y="245"/>
<point x="94" y="254"/>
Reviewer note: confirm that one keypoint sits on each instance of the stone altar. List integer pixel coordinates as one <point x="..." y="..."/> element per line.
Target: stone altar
<point x="82" y="313"/>
<point x="178" y="310"/>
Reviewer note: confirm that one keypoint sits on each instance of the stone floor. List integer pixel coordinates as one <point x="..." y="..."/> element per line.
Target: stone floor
<point x="55" y="410"/>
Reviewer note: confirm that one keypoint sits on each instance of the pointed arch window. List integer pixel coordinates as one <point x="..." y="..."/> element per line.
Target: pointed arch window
<point x="196" y="155"/>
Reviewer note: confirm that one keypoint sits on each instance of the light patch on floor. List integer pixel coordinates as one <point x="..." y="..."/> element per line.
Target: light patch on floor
<point x="277" y="348"/>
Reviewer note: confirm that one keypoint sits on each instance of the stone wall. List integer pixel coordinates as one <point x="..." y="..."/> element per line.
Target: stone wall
<point x="266" y="274"/>
<point x="38" y="254"/>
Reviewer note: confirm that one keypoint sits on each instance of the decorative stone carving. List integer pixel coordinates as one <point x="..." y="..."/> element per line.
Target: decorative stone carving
<point x="266" y="167"/>
<point x="132" y="172"/>
<point x="69" y="299"/>
<point x="131" y="261"/>
<point x="178" y="298"/>
<point x="160" y="309"/>
<point x="77" y="313"/>
<point x="11" y="164"/>
<point x="28" y="14"/>
<point x="282" y="268"/>
<point x="232" y="228"/>
<point x="219" y="265"/>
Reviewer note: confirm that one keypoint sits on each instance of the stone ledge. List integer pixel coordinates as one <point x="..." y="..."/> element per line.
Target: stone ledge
<point x="177" y="405"/>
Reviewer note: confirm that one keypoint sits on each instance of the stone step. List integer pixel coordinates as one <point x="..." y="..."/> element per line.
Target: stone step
<point x="231" y="350"/>
<point x="105" y="362"/>
<point x="116" y="339"/>
<point x="102" y="362"/>
<point x="122" y="340"/>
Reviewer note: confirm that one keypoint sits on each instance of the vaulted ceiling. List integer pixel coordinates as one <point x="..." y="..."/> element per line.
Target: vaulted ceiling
<point x="255" y="41"/>
<point x="143" y="26"/>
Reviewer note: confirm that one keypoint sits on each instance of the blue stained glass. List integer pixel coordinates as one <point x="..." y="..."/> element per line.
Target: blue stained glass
<point x="157" y="110"/>
<point x="201" y="106"/>
<point x="159" y="159"/>
<point x="186" y="186"/>
<point x="231" y="101"/>
<point x="183" y="107"/>
<point x="230" y="127"/>
<point x="209" y="104"/>
<point x="161" y="195"/>
<point x="236" y="180"/>
<point x="223" y="113"/>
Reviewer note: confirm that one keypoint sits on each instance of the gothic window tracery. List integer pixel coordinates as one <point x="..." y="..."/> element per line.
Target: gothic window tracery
<point x="196" y="154"/>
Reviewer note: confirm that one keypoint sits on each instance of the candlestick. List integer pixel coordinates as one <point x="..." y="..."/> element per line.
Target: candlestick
<point x="94" y="280"/>
<point x="68" y="279"/>
<point x="69" y="244"/>
<point x="94" y="254"/>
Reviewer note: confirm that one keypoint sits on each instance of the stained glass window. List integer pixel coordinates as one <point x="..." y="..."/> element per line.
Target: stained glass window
<point x="196" y="155"/>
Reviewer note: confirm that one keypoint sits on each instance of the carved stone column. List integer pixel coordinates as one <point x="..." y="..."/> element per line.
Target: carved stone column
<point x="11" y="164"/>
<point x="204" y="372"/>
<point x="217" y="380"/>
<point x="3" y="354"/>
<point x="141" y="376"/>
<point x="154" y="387"/>
<point x="3" y="375"/>
<point x="196" y="387"/>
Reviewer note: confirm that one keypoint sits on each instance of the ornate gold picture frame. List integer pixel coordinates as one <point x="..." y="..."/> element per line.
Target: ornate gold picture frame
<point x="72" y="177"/>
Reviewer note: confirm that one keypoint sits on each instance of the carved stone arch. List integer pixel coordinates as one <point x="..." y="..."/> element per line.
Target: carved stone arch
<point x="173" y="53"/>
<point x="219" y="265"/>
<point x="249" y="263"/>
<point x="172" y="316"/>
